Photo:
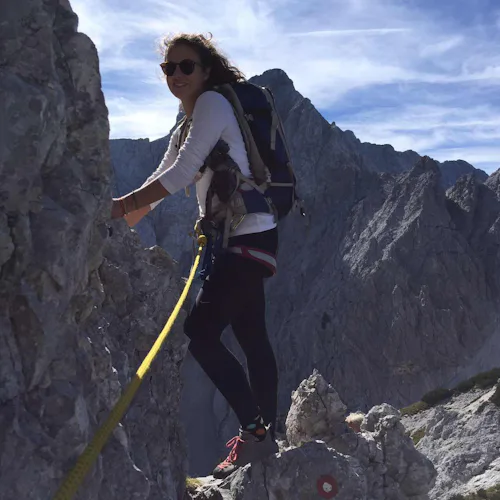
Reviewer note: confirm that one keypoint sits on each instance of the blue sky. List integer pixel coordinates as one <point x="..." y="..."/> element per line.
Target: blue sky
<point x="417" y="74"/>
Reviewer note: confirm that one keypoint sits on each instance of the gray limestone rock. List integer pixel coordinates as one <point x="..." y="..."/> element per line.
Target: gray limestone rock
<point x="380" y="463"/>
<point x="79" y="309"/>
<point x="493" y="182"/>
<point x="395" y="298"/>
<point x="296" y="474"/>
<point x="315" y="412"/>
<point x="452" y="171"/>
<point x="460" y="436"/>
<point x="409" y="474"/>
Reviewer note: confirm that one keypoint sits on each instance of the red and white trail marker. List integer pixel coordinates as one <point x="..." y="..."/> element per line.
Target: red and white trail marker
<point x="327" y="487"/>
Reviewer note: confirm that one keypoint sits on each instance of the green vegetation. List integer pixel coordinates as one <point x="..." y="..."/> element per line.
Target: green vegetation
<point x="436" y="396"/>
<point x="489" y="494"/>
<point x="415" y="408"/>
<point x="482" y="380"/>
<point x="192" y="484"/>
<point x="465" y="386"/>
<point x="417" y="436"/>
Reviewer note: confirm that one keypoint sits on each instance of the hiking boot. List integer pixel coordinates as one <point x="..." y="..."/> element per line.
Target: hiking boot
<point x="245" y="448"/>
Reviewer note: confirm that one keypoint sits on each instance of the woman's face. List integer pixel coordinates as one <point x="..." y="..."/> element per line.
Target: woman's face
<point x="186" y="86"/>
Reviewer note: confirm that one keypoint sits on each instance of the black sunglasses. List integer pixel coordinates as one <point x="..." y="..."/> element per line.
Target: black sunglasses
<point x="186" y="66"/>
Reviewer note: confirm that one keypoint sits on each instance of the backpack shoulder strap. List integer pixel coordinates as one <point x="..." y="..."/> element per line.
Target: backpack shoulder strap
<point x="277" y="125"/>
<point x="258" y="167"/>
<point x="184" y="126"/>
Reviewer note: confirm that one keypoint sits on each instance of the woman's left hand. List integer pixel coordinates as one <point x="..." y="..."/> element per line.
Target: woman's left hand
<point x="116" y="209"/>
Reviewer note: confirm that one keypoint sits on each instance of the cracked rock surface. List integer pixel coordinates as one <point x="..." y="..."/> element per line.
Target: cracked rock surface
<point x="324" y="458"/>
<point x="461" y="437"/>
<point x="81" y="301"/>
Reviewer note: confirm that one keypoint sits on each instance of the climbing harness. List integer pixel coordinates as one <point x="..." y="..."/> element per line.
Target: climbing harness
<point x="76" y="476"/>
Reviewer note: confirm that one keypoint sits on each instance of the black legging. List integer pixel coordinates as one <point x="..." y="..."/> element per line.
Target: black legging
<point x="234" y="295"/>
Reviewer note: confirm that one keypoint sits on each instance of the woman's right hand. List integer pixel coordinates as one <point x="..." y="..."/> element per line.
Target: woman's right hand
<point x="134" y="217"/>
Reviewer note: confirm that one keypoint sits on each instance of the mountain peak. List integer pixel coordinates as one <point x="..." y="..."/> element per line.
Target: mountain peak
<point x="276" y="78"/>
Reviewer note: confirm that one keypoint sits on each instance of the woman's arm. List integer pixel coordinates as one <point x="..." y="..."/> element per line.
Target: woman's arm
<point x="137" y="200"/>
<point x="168" y="159"/>
<point x="134" y="206"/>
<point x="125" y="206"/>
<point x="210" y="117"/>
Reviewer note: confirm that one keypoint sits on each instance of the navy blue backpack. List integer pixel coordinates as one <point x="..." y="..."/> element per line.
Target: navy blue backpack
<point x="273" y="187"/>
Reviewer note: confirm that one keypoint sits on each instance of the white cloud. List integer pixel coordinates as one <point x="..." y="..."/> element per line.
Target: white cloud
<point x="325" y="33"/>
<point x="441" y="47"/>
<point x="441" y="132"/>
<point x="479" y="156"/>
<point x="145" y="118"/>
<point x="330" y="48"/>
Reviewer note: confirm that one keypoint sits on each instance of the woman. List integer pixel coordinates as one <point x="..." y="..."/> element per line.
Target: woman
<point x="233" y="294"/>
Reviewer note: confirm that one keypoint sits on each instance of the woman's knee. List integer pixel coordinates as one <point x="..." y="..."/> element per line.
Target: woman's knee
<point x="201" y="331"/>
<point x="202" y="347"/>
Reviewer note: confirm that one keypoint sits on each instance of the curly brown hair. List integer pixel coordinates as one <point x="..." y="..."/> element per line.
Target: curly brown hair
<point x="221" y="70"/>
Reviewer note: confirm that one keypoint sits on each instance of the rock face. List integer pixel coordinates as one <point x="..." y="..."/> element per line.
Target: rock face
<point x="389" y="296"/>
<point x="79" y="308"/>
<point x="460" y="437"/>
<point x="389" y="286"/>
<point x="451" y="171"/>
<point x="315" y="412"/>
<point x="326" y="459"/>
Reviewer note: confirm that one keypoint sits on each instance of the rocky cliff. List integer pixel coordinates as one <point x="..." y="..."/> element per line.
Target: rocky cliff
<point x="81" y="302"/>
<point x="322" y="457"/>
<point x="390" y="285"/>
<point x="453" y="453"/>
<point x="460" y="437"/>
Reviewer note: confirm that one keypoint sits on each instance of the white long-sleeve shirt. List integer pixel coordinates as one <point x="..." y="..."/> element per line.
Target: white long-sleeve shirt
<point x="213" y="119"/>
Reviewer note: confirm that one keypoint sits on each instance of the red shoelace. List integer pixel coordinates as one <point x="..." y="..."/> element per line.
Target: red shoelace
<point x="233" y="443"/>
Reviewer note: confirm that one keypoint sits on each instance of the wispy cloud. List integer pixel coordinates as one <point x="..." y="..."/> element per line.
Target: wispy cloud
<point x="141" y="118"/>
<point x="373" y="31"/>
<point x="439" y="131"/>
<point x="424" y="78"/>
<point x="479" y="156"/>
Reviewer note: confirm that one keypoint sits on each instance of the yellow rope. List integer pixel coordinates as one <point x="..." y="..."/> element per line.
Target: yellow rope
<point x="86" y="460"/>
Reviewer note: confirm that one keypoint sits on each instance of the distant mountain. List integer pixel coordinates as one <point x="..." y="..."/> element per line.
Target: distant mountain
<point x="384" y="158"/>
